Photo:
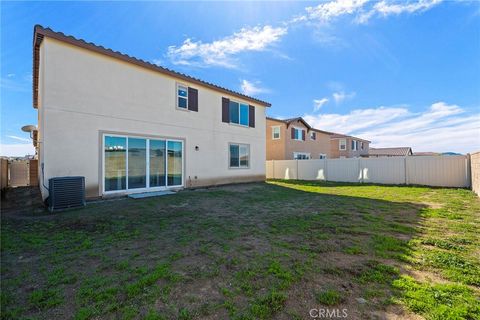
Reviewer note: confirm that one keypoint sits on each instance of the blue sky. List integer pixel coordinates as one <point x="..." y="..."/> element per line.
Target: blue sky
<point x="397" y="73"/>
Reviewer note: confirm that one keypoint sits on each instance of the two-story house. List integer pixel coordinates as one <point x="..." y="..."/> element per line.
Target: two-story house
<point x="127" y="125"/>
<point x="294" y="139"/>
<point x="344" y="146"/>
<point x="390" y="152"/>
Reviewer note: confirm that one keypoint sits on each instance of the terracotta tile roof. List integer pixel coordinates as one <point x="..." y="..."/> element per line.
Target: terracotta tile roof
<point x="344" y="136"/>
<point x="426" y="154"/>
<point x="40" y="32"/>
<point x="290" y="120"/>
<point x="332" y="134"/>
<point x="392" y="152"/>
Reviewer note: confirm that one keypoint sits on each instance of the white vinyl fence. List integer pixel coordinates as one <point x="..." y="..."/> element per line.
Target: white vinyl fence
<point x="444" y="171"/>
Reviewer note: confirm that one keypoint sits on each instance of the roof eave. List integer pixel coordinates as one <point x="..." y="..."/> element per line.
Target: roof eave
<point x="41" y="32"/>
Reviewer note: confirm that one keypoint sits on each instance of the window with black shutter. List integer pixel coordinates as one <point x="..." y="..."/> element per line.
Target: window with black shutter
<point x="187" y="98"/>
<point x="238" y="113"/>
<point x="192" y="99"/>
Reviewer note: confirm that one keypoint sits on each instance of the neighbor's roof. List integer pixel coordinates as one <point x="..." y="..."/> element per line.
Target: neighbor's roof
<point x="399" y="151"/>
<point x="426" y="154"/>
<point x="41" y="32"/>
<point x="344" y="136"/>
<point x="290" y="120"/>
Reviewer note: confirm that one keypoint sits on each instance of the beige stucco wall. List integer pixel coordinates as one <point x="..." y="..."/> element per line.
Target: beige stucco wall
<point x="349" y="153"/>
<point x="283" y="148"/>
<point x="85" y="94"/>
<point x="475" y="171"/>
<point x="275" y="147"/>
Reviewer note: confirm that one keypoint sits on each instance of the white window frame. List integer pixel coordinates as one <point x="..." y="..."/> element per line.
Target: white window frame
<point x="306" y="154"/>
<point x="147" y="172"/>
<point x="239" y="114"/>
<point x="273" y="132"/>
<point x="178" y="96"/>
<point x="301" y="133"/>
<point x="342" y="142"/>
<point x="230" y="155"/>
<point x="355" y="145"/>
<point x="322" y="156"/>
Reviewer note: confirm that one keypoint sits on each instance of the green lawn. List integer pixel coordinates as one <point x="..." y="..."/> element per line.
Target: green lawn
<point x="254" y="251"/>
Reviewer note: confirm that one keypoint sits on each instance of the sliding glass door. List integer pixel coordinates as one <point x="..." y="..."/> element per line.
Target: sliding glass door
<point x="174" y="164"/>
<point x="137" y="163"/>
<point x="115" y="163"/>
<point x="134" y="163"/>
<point x="157" y="163"/>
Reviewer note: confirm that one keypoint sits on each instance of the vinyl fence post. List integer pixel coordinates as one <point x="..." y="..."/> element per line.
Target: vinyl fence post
<point x="405" y="172"/>
<point x="297" y="171"/>
<point x="326" y="170"/>
<point x="273" y="169"/>
<point x="361" y="169"/>
<point x="468" y="170"/>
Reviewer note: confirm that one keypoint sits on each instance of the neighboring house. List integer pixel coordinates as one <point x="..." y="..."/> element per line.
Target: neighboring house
<point x="294" y="139"/>
<point x="127" y="125"/>
<point x="343" y="146"/>
<point x="426" y="154"/>
<point x="390" y="152"/>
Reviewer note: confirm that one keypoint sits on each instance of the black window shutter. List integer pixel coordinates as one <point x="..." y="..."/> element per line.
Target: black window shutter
<point x="251" y="116"/>
<point x="225" y="110"/>
<point x="192" y="99"/>
<point x="303" y="135"/>
<point x="293" y="133"/>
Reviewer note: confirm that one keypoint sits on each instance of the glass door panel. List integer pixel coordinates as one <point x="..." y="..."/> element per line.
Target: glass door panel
<point x="157" y="163"/>
<point x="137" y="163"/>
<point x="115" y="163"/>
<point x="174" y="164"/>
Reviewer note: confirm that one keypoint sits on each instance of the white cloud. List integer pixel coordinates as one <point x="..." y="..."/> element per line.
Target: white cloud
<point x="387" y="8"/>
<point x="252" y="88"/>
<point x="341" y="96"/>
<point x="222" y="52"/>
<point x="9" y="83"/>
<point x="10" y="75"/>
<point x="356" y="120"/>
<point x="441" y="127"/>
<point x="17" y="149"/>
<point x="20" y="138"/>
<point x="157" y="62"/>
<point x="318" y="103"/>
<point x="325" y="12"/>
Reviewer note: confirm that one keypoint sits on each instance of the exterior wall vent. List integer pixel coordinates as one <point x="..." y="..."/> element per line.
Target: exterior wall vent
<point x="66" y="192"/>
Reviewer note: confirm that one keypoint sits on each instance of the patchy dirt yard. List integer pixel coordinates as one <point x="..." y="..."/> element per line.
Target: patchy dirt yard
<point x="276" y="250"/>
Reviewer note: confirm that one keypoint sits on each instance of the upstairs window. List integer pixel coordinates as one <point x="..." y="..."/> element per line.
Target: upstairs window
<point x="313" y="135"/>
<point x="239" y="113"/>
<point x="361" y="145"/>
<point x="298" y="134"/>
<point x="275" y="133"/>
<point x="354" y="145"/>
<point x="187" y="98"/>
<point x="323" y="156"/>
<point x="182" y="97"/>
<point x="342" y="144"/>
